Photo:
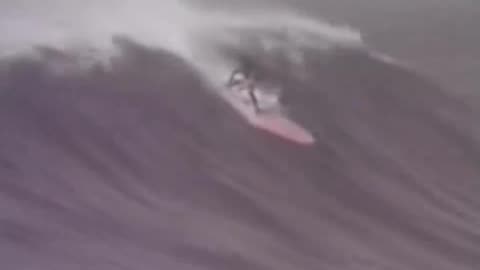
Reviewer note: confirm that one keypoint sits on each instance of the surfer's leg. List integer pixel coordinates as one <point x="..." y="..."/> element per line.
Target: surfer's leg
<point x="254" y="99"/>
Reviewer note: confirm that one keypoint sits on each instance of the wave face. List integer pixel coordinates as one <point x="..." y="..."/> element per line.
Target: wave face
<point x="135" y="165"/>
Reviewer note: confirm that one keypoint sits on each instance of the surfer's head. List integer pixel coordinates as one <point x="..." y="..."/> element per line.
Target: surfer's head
<point x="246" y="66"/>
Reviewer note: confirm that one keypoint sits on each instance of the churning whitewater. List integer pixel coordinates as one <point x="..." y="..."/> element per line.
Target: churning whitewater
<point x="117" y="153"/>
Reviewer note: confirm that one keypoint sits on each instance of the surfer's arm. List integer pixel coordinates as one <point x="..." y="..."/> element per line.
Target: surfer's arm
<point x="231" y="80"/>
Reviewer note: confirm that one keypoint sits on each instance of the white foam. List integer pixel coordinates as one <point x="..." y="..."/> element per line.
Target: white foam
<point x="190" y="32"/>
<point x="390" y="60"/>
<point x="66" y="24"/>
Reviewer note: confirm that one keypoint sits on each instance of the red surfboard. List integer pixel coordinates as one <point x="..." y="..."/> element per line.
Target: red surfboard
<point x="283" y="127"/>
<point x="274" y="120"/>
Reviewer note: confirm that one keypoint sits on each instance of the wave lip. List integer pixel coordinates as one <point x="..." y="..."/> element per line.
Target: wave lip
<point x="205" y="38"/>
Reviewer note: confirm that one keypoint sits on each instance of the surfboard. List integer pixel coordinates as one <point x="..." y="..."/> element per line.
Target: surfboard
<point x="284" y="127"/>
<point x="273" y="119"/>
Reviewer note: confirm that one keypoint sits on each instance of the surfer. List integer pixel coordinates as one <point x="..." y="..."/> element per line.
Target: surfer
<point x="244" y="79"/>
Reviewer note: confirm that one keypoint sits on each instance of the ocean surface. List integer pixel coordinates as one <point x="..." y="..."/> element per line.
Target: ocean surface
<point x="135" y="163"/>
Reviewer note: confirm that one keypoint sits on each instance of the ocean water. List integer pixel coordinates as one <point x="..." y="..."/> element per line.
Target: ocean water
<point x="116" y="153"/>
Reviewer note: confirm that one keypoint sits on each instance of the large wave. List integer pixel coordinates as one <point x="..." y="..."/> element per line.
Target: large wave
<point x="131" y="165"/>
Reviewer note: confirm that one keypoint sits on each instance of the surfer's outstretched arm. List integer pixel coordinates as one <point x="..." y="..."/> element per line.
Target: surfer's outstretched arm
<point x="232" y="80"/>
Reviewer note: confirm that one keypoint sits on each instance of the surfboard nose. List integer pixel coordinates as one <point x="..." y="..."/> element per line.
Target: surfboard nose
<point x="285" y="128"/>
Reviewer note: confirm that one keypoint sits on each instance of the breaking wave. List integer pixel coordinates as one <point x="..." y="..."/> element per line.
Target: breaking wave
<point x="129" y="164"/>
<point x="90" y="30"/>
